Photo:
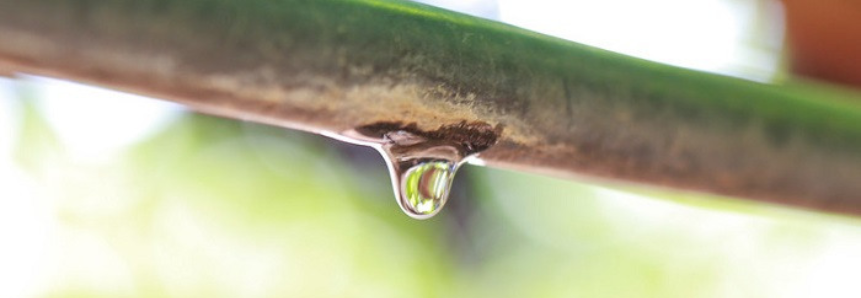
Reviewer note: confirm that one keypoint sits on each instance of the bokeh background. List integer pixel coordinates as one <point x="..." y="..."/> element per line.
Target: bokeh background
<point x="106" y="194"/>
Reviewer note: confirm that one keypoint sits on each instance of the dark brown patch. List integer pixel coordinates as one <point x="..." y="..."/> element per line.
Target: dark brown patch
<point x="476" y="136"/>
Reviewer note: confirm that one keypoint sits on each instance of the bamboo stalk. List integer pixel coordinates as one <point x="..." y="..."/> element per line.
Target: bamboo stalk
<point x="559" y="107"/>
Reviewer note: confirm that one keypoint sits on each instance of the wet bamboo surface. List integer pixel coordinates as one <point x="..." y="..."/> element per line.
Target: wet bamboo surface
<point x="557" y="107"/>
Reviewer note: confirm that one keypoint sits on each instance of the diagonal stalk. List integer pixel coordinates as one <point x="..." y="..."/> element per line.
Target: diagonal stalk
<point x="563" y="108"/>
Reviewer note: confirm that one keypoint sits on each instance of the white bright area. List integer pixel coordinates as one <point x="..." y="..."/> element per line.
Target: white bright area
<point x="732" y="37"/>
<point x="721" y="36"/>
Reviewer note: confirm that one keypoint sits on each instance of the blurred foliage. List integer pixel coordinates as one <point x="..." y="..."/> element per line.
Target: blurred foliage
<point x="210" y="207"/>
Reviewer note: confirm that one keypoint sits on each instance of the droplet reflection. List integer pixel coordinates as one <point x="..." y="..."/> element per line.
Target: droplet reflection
<point x="424" y="188"/>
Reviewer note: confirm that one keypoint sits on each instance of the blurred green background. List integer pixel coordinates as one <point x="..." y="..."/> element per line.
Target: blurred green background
<point x="210" y="207"/>
<point x="104" y="194"/>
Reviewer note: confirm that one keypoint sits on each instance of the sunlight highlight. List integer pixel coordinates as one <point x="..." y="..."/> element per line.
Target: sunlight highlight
<point x="708" y="35"/>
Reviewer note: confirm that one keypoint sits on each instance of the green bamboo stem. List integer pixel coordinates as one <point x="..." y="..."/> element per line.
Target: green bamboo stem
<point x="563" y="108"/>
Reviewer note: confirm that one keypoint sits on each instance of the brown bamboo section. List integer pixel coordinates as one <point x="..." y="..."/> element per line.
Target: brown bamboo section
<point x="557" y="107"/>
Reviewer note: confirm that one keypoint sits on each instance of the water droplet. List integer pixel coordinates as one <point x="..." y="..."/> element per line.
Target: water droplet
<point x="422" y="165"/>
<point x="422" y="170"/>
<point x="422" y="174"/>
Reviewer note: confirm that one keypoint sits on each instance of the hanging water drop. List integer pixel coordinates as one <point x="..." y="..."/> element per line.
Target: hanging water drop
<point x="422" y="171"/>
<point x="423" y="164"/>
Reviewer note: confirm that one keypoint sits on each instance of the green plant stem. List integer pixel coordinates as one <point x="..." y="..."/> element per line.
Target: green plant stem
<point x="564" y="108"/>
